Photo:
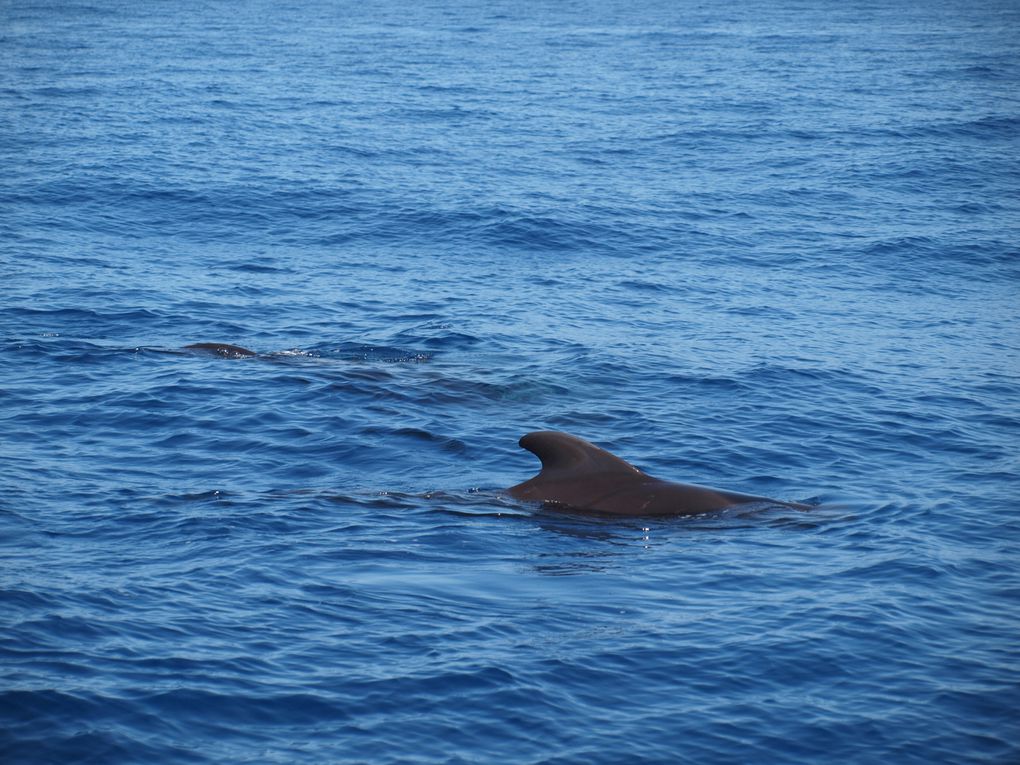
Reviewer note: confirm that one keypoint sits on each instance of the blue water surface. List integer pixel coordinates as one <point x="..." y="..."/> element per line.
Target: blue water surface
<point x="770" y="247"/>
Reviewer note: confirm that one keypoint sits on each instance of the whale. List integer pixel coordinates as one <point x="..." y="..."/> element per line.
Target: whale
<point x="226" y="350"/>
<point x="581" y="476"/>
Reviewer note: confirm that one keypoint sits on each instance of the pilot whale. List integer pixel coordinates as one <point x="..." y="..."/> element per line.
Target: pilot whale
<point x="584" y="477"/>
<point x="226" y="350"/>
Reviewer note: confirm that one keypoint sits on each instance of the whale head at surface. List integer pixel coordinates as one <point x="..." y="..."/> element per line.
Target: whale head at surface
<point x="225" y="350"/>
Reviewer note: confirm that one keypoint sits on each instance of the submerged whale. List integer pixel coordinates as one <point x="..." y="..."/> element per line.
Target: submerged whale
<point x="583" y="476"/>
<point x="226" y="350"/>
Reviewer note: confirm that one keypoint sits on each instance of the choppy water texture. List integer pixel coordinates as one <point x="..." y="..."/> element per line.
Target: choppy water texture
<point x="766" y="247"/>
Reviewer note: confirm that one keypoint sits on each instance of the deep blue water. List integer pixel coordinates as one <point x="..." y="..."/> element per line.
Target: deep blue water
<point x="766" y="247"/>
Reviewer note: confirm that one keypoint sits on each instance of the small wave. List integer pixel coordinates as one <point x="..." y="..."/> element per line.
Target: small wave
<point x="352" y="351"/>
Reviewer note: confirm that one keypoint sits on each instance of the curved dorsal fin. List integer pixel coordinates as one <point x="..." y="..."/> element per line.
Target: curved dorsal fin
<point x="567" y="453"/>
<point x="583" y="476"/>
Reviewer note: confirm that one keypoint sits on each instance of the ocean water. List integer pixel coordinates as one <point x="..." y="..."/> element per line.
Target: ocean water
<point x="770" y="247"/>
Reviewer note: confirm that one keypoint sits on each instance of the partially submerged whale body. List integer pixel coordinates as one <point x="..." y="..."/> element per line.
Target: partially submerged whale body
<point x="583" y="476"/>
<point x="226" y="350"/>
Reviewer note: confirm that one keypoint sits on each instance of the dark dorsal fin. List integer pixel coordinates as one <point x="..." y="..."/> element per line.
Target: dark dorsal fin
<point x="562" y="452"/>
<point x="583" y="476"/>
